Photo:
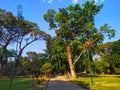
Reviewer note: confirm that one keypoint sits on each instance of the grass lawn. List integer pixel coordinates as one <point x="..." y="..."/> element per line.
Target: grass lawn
<point x="101" y="82"/>
<point x="19" y="84"/>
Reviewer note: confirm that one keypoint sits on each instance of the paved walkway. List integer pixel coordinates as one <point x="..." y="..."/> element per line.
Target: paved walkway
<point x="60" y="83"/>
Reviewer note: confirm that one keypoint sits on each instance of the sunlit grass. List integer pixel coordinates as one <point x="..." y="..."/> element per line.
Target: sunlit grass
<point x="18" y="83"/>
<point x="101" y="82"/>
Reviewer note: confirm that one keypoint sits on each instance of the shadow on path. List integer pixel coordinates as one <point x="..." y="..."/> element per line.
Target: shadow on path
<point x="60" y="83"/>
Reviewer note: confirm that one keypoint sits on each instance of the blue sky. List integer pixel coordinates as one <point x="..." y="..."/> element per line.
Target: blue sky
<point x="33" y="10"/>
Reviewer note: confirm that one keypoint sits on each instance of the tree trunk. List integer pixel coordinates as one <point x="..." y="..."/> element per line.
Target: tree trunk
<point x="32" y="80"/>
<point x="72" y="69"/>
<point x="11" y="82"/>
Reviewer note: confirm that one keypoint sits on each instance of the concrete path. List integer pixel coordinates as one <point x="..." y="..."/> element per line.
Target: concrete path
<point x="61" y="83"/>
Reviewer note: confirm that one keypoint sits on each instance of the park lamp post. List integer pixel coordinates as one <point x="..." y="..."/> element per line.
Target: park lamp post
<point x="91" y="77"/>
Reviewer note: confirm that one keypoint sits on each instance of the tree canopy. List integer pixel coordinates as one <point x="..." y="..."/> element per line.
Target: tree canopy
<point x="19" y="32"/>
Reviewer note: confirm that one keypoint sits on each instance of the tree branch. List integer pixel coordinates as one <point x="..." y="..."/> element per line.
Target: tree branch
<point x="86" y="46"/>
<point x="78" y="56"/>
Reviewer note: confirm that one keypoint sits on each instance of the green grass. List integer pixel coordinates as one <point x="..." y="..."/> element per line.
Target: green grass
<point x="101" y="82"/>
<point x="19" y="84"/>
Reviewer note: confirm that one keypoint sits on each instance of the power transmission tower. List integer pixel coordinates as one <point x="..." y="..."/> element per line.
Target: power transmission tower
<point x="19" y="13"/>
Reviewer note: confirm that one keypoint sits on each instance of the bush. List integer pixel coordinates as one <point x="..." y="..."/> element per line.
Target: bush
<point x="117" y="70"/>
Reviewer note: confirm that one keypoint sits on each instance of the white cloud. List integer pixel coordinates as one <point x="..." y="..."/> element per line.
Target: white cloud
<point x="74" y="1"/>
<point x="50" y="1"/>
<point x="96" y="1"/>
<point x="102" y="0"/>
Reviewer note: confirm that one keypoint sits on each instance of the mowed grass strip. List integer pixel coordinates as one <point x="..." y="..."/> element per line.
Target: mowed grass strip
<point x="18" y="84"/>
<point x="101" y="82"/>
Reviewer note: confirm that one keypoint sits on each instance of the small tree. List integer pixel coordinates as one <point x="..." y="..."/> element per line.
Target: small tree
<point x="46" y="68"/>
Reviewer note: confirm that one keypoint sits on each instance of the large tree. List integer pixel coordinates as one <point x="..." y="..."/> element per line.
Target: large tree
<point x="8" y="33"/>
<point x="21" y="32"/>
<point x="76" y="24"/>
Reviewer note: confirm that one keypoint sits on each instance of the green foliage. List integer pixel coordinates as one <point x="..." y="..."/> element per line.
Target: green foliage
<point x="74" y="21"/>
<point x="57" y="55"/>
<point x="107" y="30"/>
<point x="31" y="64"/>
<point x="115" y="60"/>
<point x="116" y="47"/>
<point x="109" y="52"/>
<point x="35" y="62"/>
<point x="32" y="56"/>
<point x="117" y="70"/>
<point x="8" y="27"/>
<point x="46" y="68"/>
<point x="100" y="66"/>
<point x="50" y="18"/>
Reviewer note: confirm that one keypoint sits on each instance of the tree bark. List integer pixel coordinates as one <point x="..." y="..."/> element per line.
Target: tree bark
<point x="72" y="68"/>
